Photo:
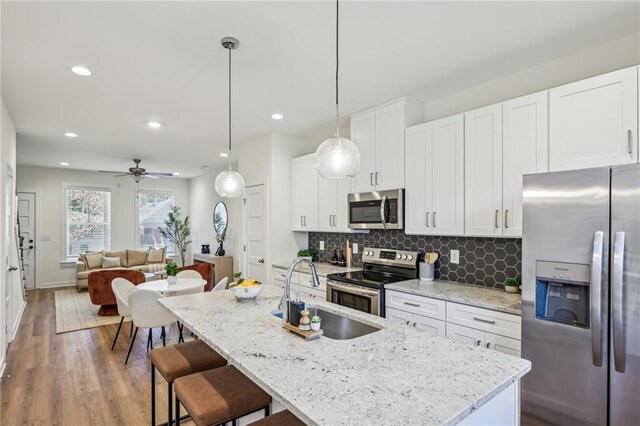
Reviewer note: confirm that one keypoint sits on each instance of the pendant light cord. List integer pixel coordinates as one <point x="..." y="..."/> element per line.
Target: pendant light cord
<point x="229" y="47"/>
<point x="337" y="67"/>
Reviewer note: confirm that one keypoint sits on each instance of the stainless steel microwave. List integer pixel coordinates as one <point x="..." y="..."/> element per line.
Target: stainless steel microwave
<point x="377" y="210"/>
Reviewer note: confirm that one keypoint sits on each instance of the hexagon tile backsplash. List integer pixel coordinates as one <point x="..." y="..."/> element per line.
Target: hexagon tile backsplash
<point x="483" y="261"/>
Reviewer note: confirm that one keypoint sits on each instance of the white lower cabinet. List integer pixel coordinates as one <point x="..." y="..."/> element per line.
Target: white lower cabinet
<point x="502" y="344"/>
<point x="465" y="334"/>
<point x="426" y="324"/>
<point x="301" y="283"/>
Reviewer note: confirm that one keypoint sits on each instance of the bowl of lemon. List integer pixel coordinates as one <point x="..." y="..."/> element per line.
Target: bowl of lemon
<point x="245" y="289"/>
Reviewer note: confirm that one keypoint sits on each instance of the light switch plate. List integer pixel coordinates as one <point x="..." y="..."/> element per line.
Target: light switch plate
<point x="455" y="256"/>
<point x="355" y="248"/>
<point x="321" y="245"/>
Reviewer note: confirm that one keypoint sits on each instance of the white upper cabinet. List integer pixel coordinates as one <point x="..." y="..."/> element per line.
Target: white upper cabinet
<point x="483" y="171"/>
<point x="379" y="134"/>
<point x="524" y="151"/>
<point x="434" y="160"/>
<point x="332" y="196"/>
<point x="304" y="188"/>
<point x="594" y="122"/>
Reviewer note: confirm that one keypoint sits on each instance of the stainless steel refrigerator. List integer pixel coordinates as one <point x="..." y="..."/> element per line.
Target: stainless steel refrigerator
<point x="581" y="297"/>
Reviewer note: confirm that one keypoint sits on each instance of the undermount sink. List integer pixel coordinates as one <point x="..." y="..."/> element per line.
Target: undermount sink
<point x="337" y="327"/>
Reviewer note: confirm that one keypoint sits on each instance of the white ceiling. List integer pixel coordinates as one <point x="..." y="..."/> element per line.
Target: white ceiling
<point x="163" y="61"/>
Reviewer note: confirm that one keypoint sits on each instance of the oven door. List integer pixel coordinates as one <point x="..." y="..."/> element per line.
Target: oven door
<point x="376" y="210"/>
<point x="355" y="297"/>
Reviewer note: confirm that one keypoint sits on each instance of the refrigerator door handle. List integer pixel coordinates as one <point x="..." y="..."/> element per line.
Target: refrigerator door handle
<point x="616" y="301"/>
<point x="596" y="298"/>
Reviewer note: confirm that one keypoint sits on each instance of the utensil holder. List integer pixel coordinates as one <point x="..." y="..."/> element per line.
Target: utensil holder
<point x="427" y="271"/>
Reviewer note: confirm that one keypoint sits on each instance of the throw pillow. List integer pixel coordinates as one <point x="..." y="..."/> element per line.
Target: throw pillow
<point x="122" y="254"/>
<point x="157" y="255"/>
<point x="136" y="257"/>
<point x="93" y="260"/>
<point x="110" y="262"/>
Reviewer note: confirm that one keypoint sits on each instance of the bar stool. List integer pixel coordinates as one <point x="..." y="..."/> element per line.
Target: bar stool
<point x="281" y="418"/>
<point x="177" y="361"/>
<point x="218" y="396"/>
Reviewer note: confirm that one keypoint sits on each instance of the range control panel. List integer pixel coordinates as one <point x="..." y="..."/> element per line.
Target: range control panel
<point x="389" y="257"/>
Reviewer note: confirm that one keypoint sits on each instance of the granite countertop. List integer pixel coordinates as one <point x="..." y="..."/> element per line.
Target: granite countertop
<point x="482" y="297"/>
<point x="323" y="269"/>
<point x="395" y="376"/>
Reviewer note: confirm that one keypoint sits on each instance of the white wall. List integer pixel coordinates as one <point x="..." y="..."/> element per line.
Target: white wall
<point x="599" y="59"/>
<point x="10" y="283"/>
<point x="48" y="184"/>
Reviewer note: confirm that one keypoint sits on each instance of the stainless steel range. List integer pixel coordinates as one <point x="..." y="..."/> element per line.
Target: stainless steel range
<point x="364" y="290"/>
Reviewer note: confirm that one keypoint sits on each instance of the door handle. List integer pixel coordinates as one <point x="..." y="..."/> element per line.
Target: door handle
<point x="382" y="218"/>
<point x="506" y="218"/>
<point x="617" y="300"/>
<point x="30" y="247"/>
<point x="427" y="219"/>
<point x="434" y="219"/>
<point x="596" y="298"/>
<point x="629" y="141"/>
<point x="261" y="260"/>
<point x="497" y="221"/>
<point x="13" y="268"/>
<point x="371" y="178"/>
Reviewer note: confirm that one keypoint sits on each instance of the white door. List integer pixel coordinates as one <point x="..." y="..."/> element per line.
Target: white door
<point x="399" y="316"/>
<point x="341" y="219"/>
<point x="389" y="135"/>
<point x="502" y="344"/>
<point x="327" y="203"/>
<point x="465" y="334"/>
<point x="483" y="171"/>
<point x="447" y="181"/>
<point x="363" y="135"/>
<point x="27" y="218"/>
<point x="525" y="150"/>
<point x="310" y="207"/>
<point x="429" y="325"/>
<point x="297" y="193"/>
<point x="417" y="195"/>
<point x="594" y="122"/>
<point x="255" y="234"/>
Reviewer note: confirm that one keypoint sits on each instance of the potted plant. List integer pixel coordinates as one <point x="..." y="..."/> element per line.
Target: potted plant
<point x="177" y="231"/>
<point x="172" y="270"/>
<point x="315" y="323"/>
<point x="511" y="285"/>
<point x="307" y="254"/>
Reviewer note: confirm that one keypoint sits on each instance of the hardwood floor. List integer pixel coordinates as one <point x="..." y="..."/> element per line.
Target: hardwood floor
<point x="74" y="378"/>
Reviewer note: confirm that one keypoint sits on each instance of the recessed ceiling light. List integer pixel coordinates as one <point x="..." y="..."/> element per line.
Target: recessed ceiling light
<point x="176" y="173"/>
<point x="71" y="135"/>
<point x="64" y="164"/>
<point x="85" y="72"/>
<point x="154" y="124"/>
<point x="203" y="167"/>
<point x="277" y="116"/>
<point x="224" y="154"/>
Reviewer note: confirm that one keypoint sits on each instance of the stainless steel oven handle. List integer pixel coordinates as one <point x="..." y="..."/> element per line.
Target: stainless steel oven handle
<point x="382" y="204"/>
<point x="616" y="301"/>
<point x="351" y="289"/>
<point x="596" y="298"/>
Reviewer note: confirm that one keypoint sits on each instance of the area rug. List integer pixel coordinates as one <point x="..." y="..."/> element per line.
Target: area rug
<point x="74" y="311"/>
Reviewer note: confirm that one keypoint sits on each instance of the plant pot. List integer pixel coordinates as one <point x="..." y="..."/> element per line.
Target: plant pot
<point x="172" y="279"/>
<point x="511" y="289"/>
<point x="315" y="326"/>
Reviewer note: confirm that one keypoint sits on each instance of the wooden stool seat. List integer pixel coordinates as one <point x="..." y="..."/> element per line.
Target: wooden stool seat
<point x="218" y="396"/>
<point x="281" y="418"/>
<point x="185" y="358"/>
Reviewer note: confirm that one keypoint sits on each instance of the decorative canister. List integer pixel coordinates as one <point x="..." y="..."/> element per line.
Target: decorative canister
<point x="427" y="271"/>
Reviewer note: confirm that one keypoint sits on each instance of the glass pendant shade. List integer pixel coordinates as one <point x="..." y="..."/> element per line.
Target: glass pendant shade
<point x="229" y="184"/>
<point x="337" y="158"/>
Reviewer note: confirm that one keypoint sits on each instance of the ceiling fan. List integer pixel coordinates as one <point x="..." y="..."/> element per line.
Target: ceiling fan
<point x="138" y="173"/>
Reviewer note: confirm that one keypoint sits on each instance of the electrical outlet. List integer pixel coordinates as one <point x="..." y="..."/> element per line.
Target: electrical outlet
<point x="355" y="248"/>
<point x="321" y="245"/>
<point x="454" y="255"/>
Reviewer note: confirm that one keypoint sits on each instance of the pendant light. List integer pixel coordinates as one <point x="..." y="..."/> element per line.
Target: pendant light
<point x="337" y="157"/>
<point x="229" y="183"/>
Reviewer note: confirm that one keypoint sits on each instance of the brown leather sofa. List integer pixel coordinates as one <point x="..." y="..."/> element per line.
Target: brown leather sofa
<point x="205" y="270"/>
<point x="100" y="290"/>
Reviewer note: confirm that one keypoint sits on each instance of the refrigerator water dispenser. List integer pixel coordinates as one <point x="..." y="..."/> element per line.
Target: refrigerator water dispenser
<point x="562" y="293"/>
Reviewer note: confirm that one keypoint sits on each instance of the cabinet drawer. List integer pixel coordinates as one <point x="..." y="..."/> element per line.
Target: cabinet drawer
<point x="305" y="280"/>
<point x="431" y="308"/>
<point x="483" y="319"/>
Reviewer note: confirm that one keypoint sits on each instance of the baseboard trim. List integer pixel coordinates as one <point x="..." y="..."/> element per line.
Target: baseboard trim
<point x="54" y="285"/>
<point x="15" y="330"/>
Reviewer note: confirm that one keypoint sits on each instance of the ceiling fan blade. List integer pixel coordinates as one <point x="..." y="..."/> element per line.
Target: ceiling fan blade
<point x="158" y="174"/>
<point x="108" y="171"/>
<point x="124" y="174"/>
<point x="146" y="175"/>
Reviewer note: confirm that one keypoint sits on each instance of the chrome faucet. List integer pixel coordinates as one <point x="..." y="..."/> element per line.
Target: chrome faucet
<point x="315" y="282"/>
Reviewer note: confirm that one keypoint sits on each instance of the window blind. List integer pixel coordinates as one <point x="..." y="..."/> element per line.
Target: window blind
<point x="88" y="219"/>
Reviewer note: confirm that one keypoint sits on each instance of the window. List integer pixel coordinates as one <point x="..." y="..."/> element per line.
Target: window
<point x="88" y="220"/>
<point x="153" y="209"/>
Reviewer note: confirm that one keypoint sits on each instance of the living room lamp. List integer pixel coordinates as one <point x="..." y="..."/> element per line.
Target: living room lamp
<point x="229" y="183"/>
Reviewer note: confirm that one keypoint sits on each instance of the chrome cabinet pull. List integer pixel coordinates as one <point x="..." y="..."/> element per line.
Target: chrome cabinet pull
<point x="415" y="324"/>
<point x="484" y="320"/>
<point x="434" y="219"/>
<point x="629" y="141"/>
<point x="488" y="344"/>
<point x="301" y="221"/>
<point x="596" y="296"/>
<point x="479" y="342"/>
<point x="371" y="178"/>
<point x="427" y="219"/>
<point x="408" y="322"/>
<point x="417" y="305"/>
<point x="376" y="178"/>
<point x="497" y="222"/>
<point x="616" y="302"/>
<point x="506" y="218"/>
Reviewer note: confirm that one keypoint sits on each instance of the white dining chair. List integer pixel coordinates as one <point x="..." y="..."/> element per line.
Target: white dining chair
<point x="189" y="274"/>
<point x="122" y="288"/>
<point x="222" y="284"/>
<point x="147" y="313"/>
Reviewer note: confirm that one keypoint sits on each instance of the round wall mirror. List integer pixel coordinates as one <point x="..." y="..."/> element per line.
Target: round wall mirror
<point x="220" y="219"/>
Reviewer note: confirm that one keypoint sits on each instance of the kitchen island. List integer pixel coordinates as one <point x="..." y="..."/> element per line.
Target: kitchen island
<point x="394" y="376"/>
